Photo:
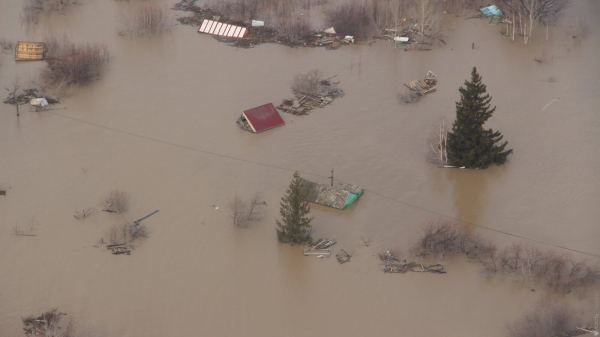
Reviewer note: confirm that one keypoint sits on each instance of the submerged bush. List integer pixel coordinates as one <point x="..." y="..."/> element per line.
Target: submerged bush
<point x="69" y="62"/>
<point x="146" y="20"/>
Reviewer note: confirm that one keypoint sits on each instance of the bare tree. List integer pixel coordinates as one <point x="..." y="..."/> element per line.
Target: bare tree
<point x="577" y="27"/>
<point x="531" y="12"/>
<point x="550" y="317"/>
<point x="310" y="83"/>
<point x="237" y="209"/>
<point x="82" y="214"/>
<point x="14" y="94"/>
<point x="117" y="201"/>
<point x="257" y="207"/>
<point x="425" y="13"/>
<point x="438" y="141"/>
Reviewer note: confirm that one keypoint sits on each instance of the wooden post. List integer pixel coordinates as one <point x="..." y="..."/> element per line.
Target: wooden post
<point x="331" y="177"/>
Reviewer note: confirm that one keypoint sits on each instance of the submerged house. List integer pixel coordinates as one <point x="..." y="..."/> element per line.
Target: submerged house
<point x="260" y="119"/>
<point x="330" y="196"/>
<point x="491" y="11"/>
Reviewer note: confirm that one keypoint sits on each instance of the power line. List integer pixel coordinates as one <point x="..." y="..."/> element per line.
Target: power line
<point x="323" y="176"/>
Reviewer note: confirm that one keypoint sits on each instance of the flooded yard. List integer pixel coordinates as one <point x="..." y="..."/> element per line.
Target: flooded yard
<point x="160" y="123"/>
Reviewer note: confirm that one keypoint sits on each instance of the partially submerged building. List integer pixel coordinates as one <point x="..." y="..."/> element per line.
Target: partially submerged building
<point x="330" y="196"/>
<point x="261" y="118"/>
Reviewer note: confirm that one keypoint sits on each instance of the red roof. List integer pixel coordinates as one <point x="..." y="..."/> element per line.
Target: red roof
<point x="263" y="117"/>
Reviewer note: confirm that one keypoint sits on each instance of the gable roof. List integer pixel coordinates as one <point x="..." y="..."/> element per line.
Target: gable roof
<point x="263" y="117"/>
<point x="331" y="196"/>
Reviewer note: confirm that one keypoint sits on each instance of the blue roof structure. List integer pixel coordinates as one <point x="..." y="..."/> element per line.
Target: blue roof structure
<point x="491" y="11"/>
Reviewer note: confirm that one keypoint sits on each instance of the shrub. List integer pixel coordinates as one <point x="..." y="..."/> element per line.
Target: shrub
<point x="127" y="233"/>
<point x="550" y="317"/>
<point x="73" y="63"/>
<point x="145" y="20"/>
<point x="117" y="201"/>
<point x="310" y="83"/>
<point x="293" y="29"/>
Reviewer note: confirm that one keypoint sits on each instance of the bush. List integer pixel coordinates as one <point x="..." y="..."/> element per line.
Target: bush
<point x="117" y="201"/>
<point x="293" y="29"/>
<point x="127" y="233"/>
<point x="30" y="14"/>
<point x="72" y="63"/>
<point x="146" y="20"/>
<point x="550" y="317"/>
<point x="311" y="83"/>
<point x="351" y="17"/>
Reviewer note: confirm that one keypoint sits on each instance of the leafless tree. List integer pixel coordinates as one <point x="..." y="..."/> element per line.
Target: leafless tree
<point x="438" y="141"/>
<point x="116" y="201"/>
<point x="550" y="317"/>
<point x="310" y="83"/>
<point x="14" y="91"/>
<point x="531" y="12"/>
<point x="237" y="209"/>
<point x="293" y="29"/>
<point x="30" y="13"/>
<point x="82" y="214"/>
<point x="72" y="63"/>
<point x="144" y="20"/>
<point x="577" y="27"/>
<point x="426" y="15"/>
<point x="351" y="17"/>
<point x="257" y="207"/>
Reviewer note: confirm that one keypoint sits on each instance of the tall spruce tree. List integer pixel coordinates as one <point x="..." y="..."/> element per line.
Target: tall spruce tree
<point x="295" y="225"/>
<point x="469" y="144"/>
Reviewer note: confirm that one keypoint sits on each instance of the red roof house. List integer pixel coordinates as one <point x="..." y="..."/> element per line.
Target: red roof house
<point x="263" y="118"/>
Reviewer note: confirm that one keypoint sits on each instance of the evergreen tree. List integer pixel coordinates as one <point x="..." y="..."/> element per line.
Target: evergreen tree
<point x="469" y="144"/>
<point x="295" y="225"/>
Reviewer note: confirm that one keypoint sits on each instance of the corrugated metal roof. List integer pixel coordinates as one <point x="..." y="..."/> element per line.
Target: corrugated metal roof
<point x="263" y="117"/>
<point x="222" y="29"/>
<point x="330" y="196"/>
<point x="28" y="51"/>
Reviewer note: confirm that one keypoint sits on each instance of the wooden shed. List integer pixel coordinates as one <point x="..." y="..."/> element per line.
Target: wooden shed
<point x="29" y="51"/>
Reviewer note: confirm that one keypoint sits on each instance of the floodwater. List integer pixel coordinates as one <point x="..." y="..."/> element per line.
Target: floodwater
<point x="160" y="123"/>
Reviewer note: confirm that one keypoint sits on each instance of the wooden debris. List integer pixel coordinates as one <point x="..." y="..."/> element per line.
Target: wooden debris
<point x="324" y="243"/>
<point x="319" y="252"/>
<point x="306" y="102"/>
<point x="343" y="256"/>
<point x="393" y="265"/>
<point x="29" y="51"/>
<point x="137" y="222"/>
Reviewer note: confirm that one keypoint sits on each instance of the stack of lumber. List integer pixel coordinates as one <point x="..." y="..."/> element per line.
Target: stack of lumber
<point x="29" y="51"/>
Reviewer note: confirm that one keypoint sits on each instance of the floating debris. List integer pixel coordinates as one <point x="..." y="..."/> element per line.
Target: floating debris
<point x="424" y="87"/>
<point x="317" y="252"/>
<point x="343" y="256"/>
<point x="29" y="51"/>
<point x="393" y="265"/>
<point x="324" y="243"/>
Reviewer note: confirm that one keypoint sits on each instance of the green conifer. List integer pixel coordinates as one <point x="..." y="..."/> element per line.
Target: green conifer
<point x="469" y="144"/>
<point x="295" y="225"/>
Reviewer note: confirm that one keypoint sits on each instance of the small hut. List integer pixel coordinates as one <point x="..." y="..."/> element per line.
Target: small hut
<point x="330" y="196"/>
<point x="260" y="119"/>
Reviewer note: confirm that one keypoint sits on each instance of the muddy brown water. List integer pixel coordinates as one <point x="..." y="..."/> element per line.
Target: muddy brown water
<point x="197" y="275"/>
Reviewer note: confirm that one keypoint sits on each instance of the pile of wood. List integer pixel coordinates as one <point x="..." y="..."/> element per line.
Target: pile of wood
<point x="393" y="265"/>
<point x="423" y="87"/>
<point x="303" y="102"/>
<point x="119" y="248"/>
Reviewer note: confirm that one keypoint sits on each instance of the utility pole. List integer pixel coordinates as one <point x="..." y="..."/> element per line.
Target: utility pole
<point x="331" y="177"/>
